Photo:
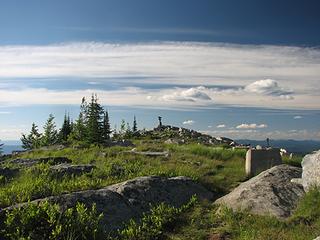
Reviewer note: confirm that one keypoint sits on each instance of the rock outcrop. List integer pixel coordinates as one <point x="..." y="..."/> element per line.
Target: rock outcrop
<point x="311" y="170"/>
<point x="130" y="199"/>
<point x="26" y="162"/>
<point x="69" y="169"/>
<point x="269" y="193"/>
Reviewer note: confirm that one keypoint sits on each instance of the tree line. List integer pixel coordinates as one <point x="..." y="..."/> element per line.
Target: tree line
<point x="91" y="127"/>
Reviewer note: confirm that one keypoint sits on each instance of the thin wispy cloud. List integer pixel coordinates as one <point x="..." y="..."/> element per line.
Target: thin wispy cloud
<point x="297" y="117"/>
<point x="266" y="76"/>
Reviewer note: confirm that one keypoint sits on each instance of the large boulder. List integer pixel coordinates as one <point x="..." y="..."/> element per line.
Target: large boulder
<point x="121" y="202"/>
<point x="311" y="170"/>
<point x="269" y="193"/>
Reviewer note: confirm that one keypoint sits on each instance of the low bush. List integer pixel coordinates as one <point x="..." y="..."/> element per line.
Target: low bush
<point x="47" y="221"/>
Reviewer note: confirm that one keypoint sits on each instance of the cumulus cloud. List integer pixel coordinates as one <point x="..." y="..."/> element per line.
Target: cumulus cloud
<point x="267" y="87"/>
<point x="251" y="126"/>
<point x="188" y="122"/>
<point x="192" y="94"/>
<point x="221" y="126"/>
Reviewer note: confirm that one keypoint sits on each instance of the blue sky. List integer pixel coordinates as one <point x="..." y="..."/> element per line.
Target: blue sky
<point x="241" y="69"/>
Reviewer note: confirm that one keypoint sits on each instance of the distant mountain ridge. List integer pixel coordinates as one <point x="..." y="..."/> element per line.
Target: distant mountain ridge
<point x="294" y="146"/>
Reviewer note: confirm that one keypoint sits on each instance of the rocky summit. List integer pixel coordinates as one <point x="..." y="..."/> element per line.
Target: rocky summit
<point x="269" y="193"/>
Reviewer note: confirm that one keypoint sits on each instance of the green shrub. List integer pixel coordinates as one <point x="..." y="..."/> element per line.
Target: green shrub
<point x="47" y="221"/>
<point x="152" y="224"/>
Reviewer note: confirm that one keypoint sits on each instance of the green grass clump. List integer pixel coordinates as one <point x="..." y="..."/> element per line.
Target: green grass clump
<point x="47" y="221"/>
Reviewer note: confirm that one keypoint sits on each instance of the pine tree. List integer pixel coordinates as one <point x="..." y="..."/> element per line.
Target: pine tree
<point x="106" y="131"/>
<point x="65" y="129"/>
<point x="50" y="135"/>
<point x="33" y="139"/>
<point x="134" y="127"/>
<point x="94" y="121"/>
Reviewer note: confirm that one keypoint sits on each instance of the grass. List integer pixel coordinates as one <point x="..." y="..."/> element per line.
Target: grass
<point x="206" y="219"/>
<point x="217" y="168"/>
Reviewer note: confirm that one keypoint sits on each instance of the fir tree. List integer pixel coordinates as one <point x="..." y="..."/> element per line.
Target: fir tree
<point x="65" y="129"/>
<point x="94" y="121"/>
<point x="33" y="139"/>
<point x="106" y="131"/>
<point x="50" y="135"/>
<point x="134" y="127"/>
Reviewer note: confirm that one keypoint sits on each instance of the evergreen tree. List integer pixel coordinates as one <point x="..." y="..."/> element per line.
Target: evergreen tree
<point x="122" y="127"/>
<point x="94" y="121"/>
<point x="1" y="144"/>
<point x="33" y="139"/>
<point x="65" y="129"/>
<point x="106" y="131"/>
<point x="78" y="129"/>
<point x="134" y="127"/>
<point x="50" y="135"/>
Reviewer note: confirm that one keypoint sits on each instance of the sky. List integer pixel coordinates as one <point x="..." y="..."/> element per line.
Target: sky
<point x="239" y="69"/>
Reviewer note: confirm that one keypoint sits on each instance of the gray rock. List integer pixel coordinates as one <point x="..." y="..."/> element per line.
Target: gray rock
<point x="318" y="238"/>
<point x="311" y="170"/>
<point x="68" y="169"/>
<point x="26" y="162"/>
<point x="269" y="193"/>
<point x="121" y="202"/>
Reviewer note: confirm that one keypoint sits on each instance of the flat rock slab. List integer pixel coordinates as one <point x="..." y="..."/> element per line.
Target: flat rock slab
<point x="28" y="162"/>
<point x="311" y="170"/>
<point x="269" y="193"/>
<point x="69" y="169"/>
<point x="121" y="202"/>
<point x="150" y="154"/>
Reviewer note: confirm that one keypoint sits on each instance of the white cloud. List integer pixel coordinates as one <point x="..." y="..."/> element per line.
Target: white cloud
<point x="5" y="112"/>
<point x="251" y="126"/>
<point x="221" y="126"/>
<point x="190" y="95"/>
<point x="188" y="122"/>
<point x="297" y="117"/>
<point x="267" y="87"/>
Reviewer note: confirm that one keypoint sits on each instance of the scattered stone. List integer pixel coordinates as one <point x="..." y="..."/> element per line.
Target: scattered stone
<point x="28" y="162"/>
<point x="269" y="193"/>
<point x="8" y="172"/>
<point x="311" y="170"/>
<point x="68" y="169"/>
<point x="258" y="160"/>
<point x="318" y="238"/>
<point x="121" y="202"/>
